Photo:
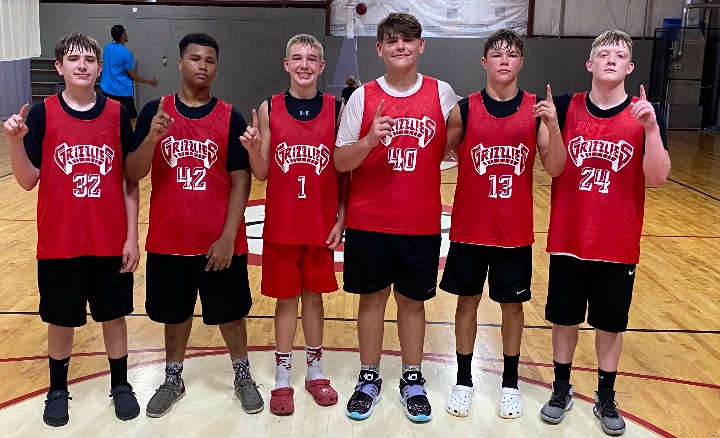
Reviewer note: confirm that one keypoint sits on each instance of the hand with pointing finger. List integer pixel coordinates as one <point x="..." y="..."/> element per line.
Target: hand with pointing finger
<point x="251" y="137"/>
<point x="160" y="123"/>
<point x="643" y="111"/>
<point x="545" y="109"/>
<point x="381" y="125"/>
<point x="15" y="128"/>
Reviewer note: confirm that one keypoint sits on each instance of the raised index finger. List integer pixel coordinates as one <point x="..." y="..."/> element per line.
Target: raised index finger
<point x="378" y="112"/>
<point x="255" y="119"/>
<point x="160" y="105"/>
<point x="24" y="111"/>
<point x="642" y="93"/>
<point x="549" y="94"/>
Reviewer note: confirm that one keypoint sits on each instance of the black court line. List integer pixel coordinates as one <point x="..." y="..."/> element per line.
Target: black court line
<point x="694" y="189"/>
<point x="448" y="323"/>
<point x="7" y="174"/>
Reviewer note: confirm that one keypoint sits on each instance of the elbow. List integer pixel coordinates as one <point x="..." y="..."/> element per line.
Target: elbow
<point x="341" y="165"/>
<point x="133" y="176"/>
<point x="557" y="168"/>
<point x="657" y="180"/>
<point x="556" y="171"/>
<point x="27" y="185"/>
<point x="658" y="176"/>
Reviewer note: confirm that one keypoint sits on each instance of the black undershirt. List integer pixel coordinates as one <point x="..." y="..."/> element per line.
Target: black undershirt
<point x="562" y="103"/>
<point x="36" y="126"/>
<point x="237" y="156"/>
<point x="496" y="108"/>
<point x="305" y="109"/>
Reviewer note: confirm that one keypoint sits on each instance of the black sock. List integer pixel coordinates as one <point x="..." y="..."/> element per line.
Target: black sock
<point x="606" y="380"/>
<point x="118" y="371"/>
<point x="59" y="373"/>
<point x="464" y="372"/>
<point x="510" y="371"/>
<point x="562" y="371"/>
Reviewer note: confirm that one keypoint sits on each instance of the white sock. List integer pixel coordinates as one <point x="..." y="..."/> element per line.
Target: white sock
<point x="283" y="365"/>
<point x="314" y="362"/>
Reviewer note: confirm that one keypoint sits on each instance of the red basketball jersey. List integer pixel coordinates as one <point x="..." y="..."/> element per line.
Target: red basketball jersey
<point x="597" y="203"/>
<point x="191" y="184"/>
<point x="302" y="195"/>
<point x="493" y="200"/>
<point x="81" y="207"/>
<point x="396" y="189"/>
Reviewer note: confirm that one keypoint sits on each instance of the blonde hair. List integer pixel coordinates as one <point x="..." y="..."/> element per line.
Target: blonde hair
<point x="612" y="38"/>
<point x="305" y="40"/>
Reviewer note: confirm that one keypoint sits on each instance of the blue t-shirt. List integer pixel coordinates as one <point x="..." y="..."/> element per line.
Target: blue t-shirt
<point x="117" y="60"/>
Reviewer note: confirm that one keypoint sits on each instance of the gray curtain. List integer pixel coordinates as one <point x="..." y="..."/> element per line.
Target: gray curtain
<point x="15" y="88"/>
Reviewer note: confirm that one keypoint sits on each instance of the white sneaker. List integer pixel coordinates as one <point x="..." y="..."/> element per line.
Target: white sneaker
<point x="460" y="401"/>
<point x="511" y="405"/>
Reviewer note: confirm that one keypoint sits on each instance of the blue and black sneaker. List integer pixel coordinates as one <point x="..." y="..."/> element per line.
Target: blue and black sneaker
<point x="366" y="395"/>
<point x="414" y="398"/>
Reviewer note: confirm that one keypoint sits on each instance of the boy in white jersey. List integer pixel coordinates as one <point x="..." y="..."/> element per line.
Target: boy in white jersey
<point x="393" y="136"/>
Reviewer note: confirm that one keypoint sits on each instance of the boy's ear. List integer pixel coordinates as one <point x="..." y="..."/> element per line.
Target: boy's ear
<point x="630" y="67"/>
<point x="58" y="67"/>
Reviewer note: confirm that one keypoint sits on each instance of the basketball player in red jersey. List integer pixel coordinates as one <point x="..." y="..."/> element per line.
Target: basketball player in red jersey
<point x="196" y="239"/>
<point x="74" y="143"/>
<point x="615" y="143"/>
<point x="292" y="148"/>
<point x="491" y="234"/>
<point x="393" y="135"/>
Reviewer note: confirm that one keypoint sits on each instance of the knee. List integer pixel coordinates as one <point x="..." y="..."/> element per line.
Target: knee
<point x="376" y="300"/>
<point x="287" y="303"/>
<point x="312" y="299"/>
<point x="405" y="304"/>
<point x="512" y="309"/>
<point x="468" y="304"/>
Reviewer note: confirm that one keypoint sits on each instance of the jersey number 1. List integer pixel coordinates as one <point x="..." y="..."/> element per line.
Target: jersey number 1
<point x="302" y="195"/>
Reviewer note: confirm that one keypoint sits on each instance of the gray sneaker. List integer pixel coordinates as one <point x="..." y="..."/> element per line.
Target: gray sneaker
<point x="250" y="399"/>
<point x="165" y="397"/>
<point x="611" y="422"/>
<point x="560" y="402"/>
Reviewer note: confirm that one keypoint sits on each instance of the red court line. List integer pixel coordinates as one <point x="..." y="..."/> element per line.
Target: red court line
<point x="216" y="351"/>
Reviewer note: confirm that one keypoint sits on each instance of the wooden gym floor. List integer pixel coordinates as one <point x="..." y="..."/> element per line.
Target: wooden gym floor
<point x="670" y="367"/>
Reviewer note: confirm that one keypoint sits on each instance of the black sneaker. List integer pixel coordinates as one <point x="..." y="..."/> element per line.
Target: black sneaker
<point x="414" y="398"/>
<point x="560" y="402"/>
<point x="126" y="405"/>
<point x="56" y="408"/>
<point x="611" y="422"/>
<point x="366" y="395"/>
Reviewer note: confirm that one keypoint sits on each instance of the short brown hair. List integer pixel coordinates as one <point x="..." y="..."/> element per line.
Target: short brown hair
<point x="305" y="40"/>
<point x="400" y="24"/>
<point x="612" y="38"/>
<point x="503" y="39"/>
<point x="77" y="41"/>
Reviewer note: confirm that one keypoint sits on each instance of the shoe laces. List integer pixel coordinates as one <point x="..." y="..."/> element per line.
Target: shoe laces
<point x="121" y="389"/>
<point x="559" y="394"/>
<point x="373" y="388"/>
<point x="607" y="406"/>
<point x="65" y="396"/>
